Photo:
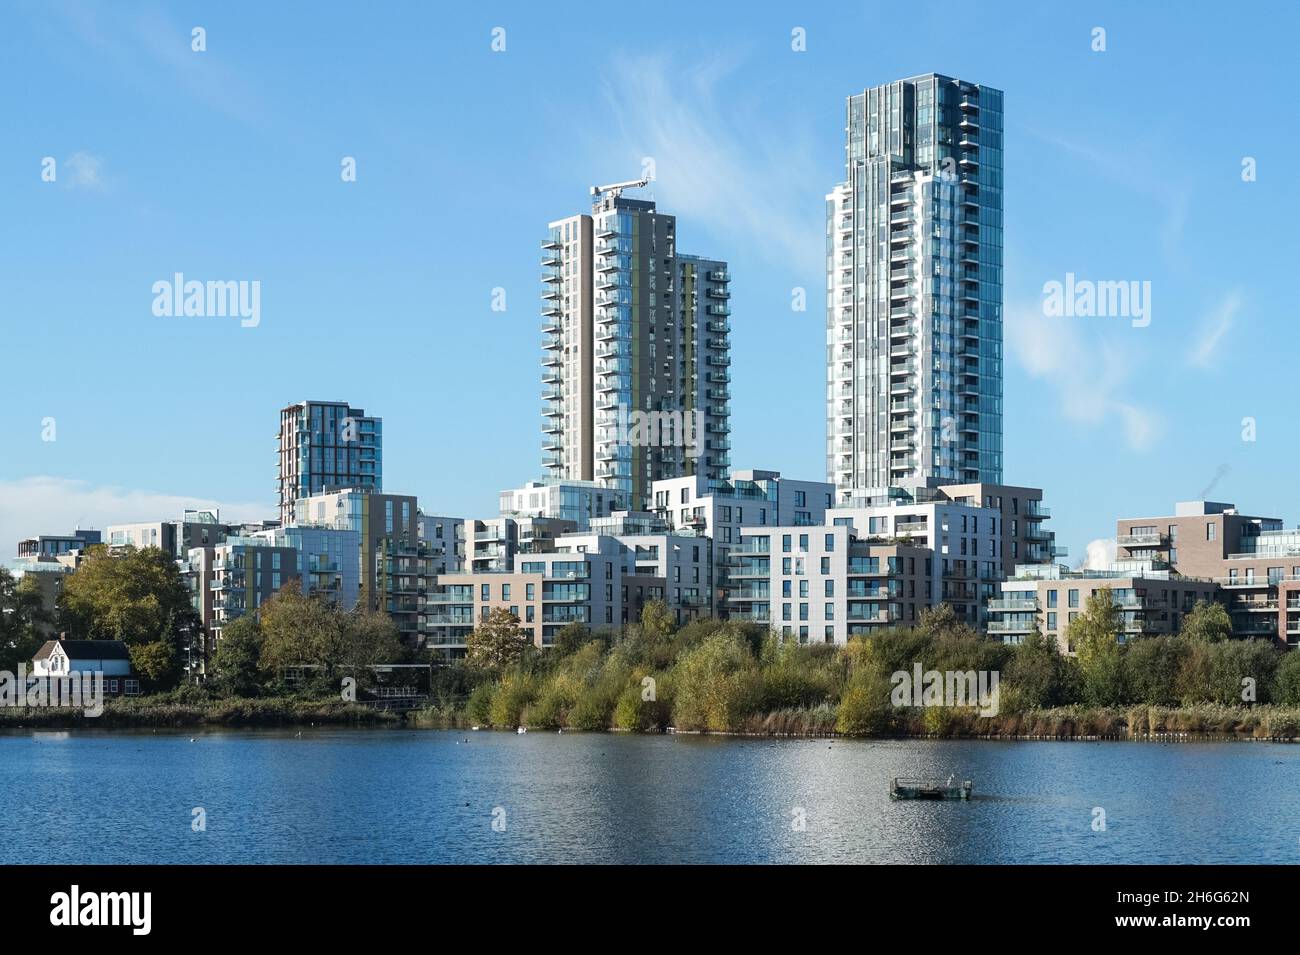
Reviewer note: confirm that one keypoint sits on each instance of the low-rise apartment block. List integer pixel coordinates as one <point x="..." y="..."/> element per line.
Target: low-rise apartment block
<point x="578" y="502"/>
<point x="176" y="537"/>
<point x="824" y="584"/>
<point x="598" y="587"/>
<point x="1047" y="599"/>
<point x="682" y="560"/>
<point x="492" y="544"/>
<point x="1255" y="560"/>
<point x="718" y="510"/>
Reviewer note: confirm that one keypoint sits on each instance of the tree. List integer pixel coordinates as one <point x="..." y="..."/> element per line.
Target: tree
<point x="1095" y="635"/>
<point x="1242" y="671"/>
<point x="1151" y="667"/>
<point x="1208" y="622"/>
<point x="1036" y="675"/>
<point x="22" y="613"/>
<point x="1287" y="680"/>
<point x="657" y="621"/>
<point x="139" y="597"/>
<point x="717" y="684"/>
<point x="136" y="596"/>
<point x="157" y="662"/>
<point x="497" y="642"/>
<point x="235" y="663"/>
<point x="865" y="706"/>
<point x="298" y="630"/>
<point x="570" y="639"/>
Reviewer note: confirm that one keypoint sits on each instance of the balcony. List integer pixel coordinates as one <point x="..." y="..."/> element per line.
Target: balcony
<point x="1142" y="539"/>
<point x="1009" y="604"/>
<point x="1011" y="626"/>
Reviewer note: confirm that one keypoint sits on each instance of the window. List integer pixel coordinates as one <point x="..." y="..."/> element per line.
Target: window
<point x="828" y="612"/>
<point x="505" y="591"/>
<point x="1051" y="598"/>
<point x="1211" y="531"/>
<point x="830" y="543"/>
<point x="1051" y="621"/>
<point x="830" y="588"/>
<point x="1073" y="598"/>
<point x="785" y="543"/>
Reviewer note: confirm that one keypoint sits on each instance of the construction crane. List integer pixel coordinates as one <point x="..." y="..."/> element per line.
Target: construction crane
<point x="615" y="189"/>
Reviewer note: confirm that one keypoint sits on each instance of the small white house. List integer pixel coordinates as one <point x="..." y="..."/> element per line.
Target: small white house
<point x="58" y="658"/>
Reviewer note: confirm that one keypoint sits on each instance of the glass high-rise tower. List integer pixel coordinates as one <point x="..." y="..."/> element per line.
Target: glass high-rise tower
<point x="636" y="351"/>
<point x="914" y="289"/>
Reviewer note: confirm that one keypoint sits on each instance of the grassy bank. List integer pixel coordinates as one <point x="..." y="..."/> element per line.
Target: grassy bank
<point x="1206" y="721"/>
<point x="165" y="711"/>
<point x="1209" y="721"/>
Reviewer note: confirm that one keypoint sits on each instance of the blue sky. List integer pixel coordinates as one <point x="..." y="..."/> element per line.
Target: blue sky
<point x="225" y="164"/>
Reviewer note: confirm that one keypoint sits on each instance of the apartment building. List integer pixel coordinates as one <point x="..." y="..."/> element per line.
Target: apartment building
<point x="914" y="279"/>
<point x="718" y="510"/>
<point x="636" y="351"/>
<point x="1048" y="598"/>
<point x="824" y="584"/>
<point x="492" y="544"/>
<point x="396" y="566"/>
<point x="235" y="577"/>
<point x="566" y="500"/>
<point x="327" y="446"/>
<point x="1255" y="560"/>
<point x="444" y="538"/>
<point x="194" y="528"/>
<point x="597" y="587"/>
<point x="682" y="560"/>
<point x="329" y="560"/>
<point x="54" y="546"/>
<point x="1007" y="520"/>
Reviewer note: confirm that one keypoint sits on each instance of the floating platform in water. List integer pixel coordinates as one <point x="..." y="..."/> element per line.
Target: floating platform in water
<point x="929" y="789"/>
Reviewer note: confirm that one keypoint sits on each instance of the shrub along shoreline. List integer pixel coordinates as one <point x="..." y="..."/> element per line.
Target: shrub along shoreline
<point x="1077" y="722"/>
<point x="164" y="710"/>
<point x="730" y="677"/>
<point x="1136" y="724"/>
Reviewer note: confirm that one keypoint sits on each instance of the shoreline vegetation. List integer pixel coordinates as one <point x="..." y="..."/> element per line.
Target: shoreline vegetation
<point x="1201" y="722"/>
<point x="731" y="678"/>
<point x="302" y="660"/>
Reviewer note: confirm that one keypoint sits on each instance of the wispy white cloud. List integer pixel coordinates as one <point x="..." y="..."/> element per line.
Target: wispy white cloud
<point x="140" y="42"/>
<point x="52" y="505"/>
<point x="1131" y="171"/>
<point x="1088" y="376"/>
<point x="715" y="163"/>
<point x="82" y="171"/>
<point x="1213" y="327"/>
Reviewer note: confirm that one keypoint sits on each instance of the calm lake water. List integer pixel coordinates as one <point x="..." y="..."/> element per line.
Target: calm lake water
<point x="408" y="796"/>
